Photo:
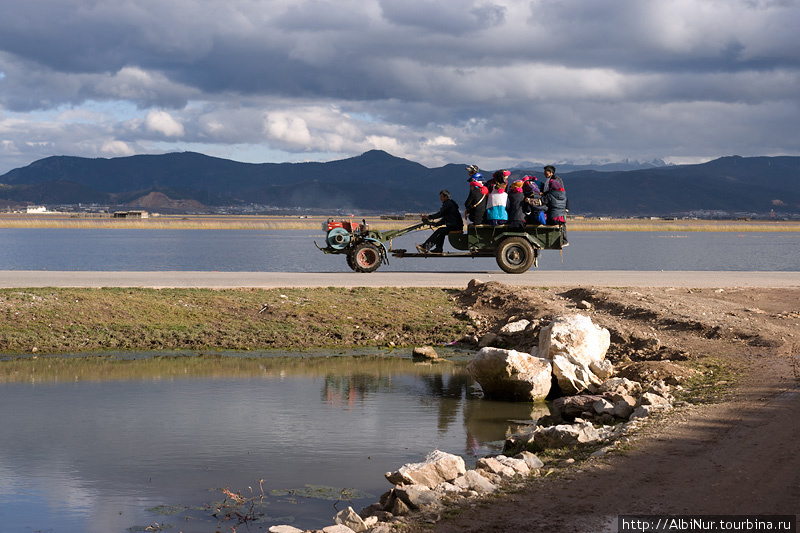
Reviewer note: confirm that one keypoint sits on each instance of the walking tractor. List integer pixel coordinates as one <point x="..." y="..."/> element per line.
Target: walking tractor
<point x="515" y="250"/>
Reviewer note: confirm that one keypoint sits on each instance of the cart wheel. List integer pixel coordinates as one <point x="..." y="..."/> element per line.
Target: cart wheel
<point x="514" y="255"/>
<point x="351" y="261"/>
<point x="366" y="257"/>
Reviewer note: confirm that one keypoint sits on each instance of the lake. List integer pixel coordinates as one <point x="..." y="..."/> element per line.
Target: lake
<point x="294" y="251"/>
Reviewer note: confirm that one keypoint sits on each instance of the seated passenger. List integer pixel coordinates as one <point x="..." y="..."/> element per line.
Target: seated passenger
<point x="516" y="202"/>
<point x="497" y="199"/>
<point x="534" y="206"/>
<point x="555" y="199"/>
<point x="475" y="206"/>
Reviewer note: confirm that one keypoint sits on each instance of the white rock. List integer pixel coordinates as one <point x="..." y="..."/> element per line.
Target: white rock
<point x="576" y="335"/>
<point x="621" y="386"/>
<point x="515" y="327"/>
<point x="491" y="464"/>
<point x="383" y="527"/>
<point x="602" y="369"/>
<point x="519" y="466"/>
<point x="424" y="353"/>
<point x="437" y="467"/>
<point x="472" y="480"/>
<point x="446" y="488"/>
<point x="572" y="375"/>
<point x="652" y="399"/>
<point x="509" y="374"/>
<point x="567" y="435"/>
<point x="660" y="388"/>
<point x="533" y="462"/>
<point x="348" y="517"/>
<point x="284" y="529"/>
<point x="603" y="406"/>
<point x="416" y="496"/>
<point x="338" y="528"/>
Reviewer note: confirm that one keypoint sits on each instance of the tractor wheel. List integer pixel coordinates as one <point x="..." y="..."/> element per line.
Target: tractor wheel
<point x="514" y="255"/>
<point x="351" y="262"/>
<point x="366" y="257"/>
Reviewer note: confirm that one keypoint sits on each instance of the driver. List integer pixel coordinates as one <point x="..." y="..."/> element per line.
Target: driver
<point x="449" y="217"/>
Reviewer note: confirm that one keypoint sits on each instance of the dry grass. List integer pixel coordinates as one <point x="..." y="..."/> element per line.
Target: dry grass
<point x="736" y="226"/>
<point x="252" y="222"/>
<point x="48" y="320"/>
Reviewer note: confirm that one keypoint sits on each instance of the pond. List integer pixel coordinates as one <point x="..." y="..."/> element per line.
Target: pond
<point x="118" y="443"/>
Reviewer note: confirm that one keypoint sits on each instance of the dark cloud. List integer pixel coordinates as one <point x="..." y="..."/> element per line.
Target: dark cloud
<point x="436" y="82"/>
<point x="455" y="17"/>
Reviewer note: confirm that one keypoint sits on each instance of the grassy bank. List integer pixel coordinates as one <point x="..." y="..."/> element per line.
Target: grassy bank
<point x="314" y="223"/>
<point x="52" y="320"/>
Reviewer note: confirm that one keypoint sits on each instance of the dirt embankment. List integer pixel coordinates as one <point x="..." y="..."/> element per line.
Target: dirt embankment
<point x="731" y="449"/>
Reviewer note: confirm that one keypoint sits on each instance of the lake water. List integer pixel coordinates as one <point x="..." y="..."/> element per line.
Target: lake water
<point x="108" y="445"/>
<point x="294" y="251"/>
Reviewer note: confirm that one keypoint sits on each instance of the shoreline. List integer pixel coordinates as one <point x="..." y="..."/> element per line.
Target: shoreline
<point x="303" y="222"/>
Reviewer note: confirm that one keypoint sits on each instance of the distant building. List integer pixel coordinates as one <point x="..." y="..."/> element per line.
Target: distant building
<point x="131" y="214"/>
<point x="36" y="209"/>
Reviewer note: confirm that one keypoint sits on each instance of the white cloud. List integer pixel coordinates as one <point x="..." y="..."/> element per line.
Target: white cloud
<point x="288" y="129"/>
<point x="387" y="144"/>
<point x="440" y="140"/>
<point x="163" y="123"/>
<point x="116" y="148"/>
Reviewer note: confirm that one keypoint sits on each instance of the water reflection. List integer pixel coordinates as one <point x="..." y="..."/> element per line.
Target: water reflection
<point x="92" y="443"/>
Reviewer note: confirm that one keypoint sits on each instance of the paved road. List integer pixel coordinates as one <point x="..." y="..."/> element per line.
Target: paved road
<point x="219" y="280"/>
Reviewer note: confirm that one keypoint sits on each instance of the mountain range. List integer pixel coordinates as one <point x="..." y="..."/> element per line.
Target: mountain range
<point x="377" y="182"/>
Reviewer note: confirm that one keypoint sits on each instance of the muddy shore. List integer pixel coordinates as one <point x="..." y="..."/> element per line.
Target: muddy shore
<point x="729" y="449"/>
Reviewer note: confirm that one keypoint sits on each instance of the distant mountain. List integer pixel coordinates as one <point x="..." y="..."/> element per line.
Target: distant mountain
<point x="743" y="185"/>
<point x="565" y="166"/>
<point x="377" y="182"/>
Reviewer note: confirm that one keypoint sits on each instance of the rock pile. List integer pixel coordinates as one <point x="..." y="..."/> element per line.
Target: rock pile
<point x="426" y="486"/>
<point x="568" y="363"/>
<point x="591" y="408"/>
<point x="571" y="349"/>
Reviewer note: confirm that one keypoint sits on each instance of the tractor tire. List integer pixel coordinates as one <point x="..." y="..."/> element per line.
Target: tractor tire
<point x="514" y="255"/>
<point x="351" y="261"/>
<point x="366" y="257"/>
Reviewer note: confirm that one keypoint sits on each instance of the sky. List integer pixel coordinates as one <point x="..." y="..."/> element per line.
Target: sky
<point x="485" y="82"/>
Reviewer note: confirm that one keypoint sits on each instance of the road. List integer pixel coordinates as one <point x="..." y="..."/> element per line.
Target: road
<point x="221" y="280"/>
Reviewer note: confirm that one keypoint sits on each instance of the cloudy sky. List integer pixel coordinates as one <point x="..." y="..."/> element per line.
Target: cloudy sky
<point x="489" y="82"/>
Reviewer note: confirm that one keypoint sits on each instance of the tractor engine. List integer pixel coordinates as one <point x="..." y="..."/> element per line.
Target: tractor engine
<point x="342" y="232"/>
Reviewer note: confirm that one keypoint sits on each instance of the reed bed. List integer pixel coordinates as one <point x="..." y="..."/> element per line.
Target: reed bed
<point x="248" y="222"/>
<point x="736" y="226"/>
